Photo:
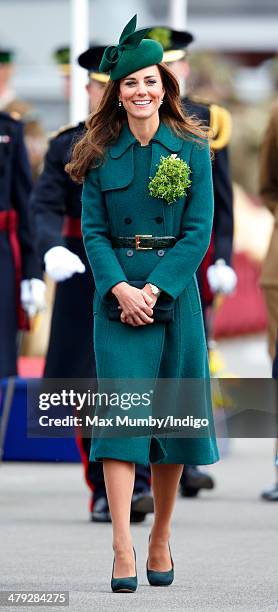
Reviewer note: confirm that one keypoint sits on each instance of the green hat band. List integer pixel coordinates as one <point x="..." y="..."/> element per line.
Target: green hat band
<point x="132" y="53"/>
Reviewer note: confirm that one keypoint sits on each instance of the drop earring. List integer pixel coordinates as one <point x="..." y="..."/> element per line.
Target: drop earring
<point x="120" y="104"/>
<point x="161" y="102"/>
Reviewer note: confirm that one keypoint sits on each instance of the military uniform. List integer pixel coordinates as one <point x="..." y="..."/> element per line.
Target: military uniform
<point x="56" y="201"/>
<point x="221" y="244"/>
<point x="34" y="134"/>
<point x="223" y="222"/>
<point x="269" y="277"/>
<point x="269" y="194"/>
<point x="57" y="207"/>
<point x="249" y="125"/>
<point x="17" y="254"/>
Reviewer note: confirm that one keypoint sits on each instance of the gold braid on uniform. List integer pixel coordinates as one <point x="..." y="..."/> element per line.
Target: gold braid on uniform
<point x="61" y="130"/>
<point x="220" y="127"/>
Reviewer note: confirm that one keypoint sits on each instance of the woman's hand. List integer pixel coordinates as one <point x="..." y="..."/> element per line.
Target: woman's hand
<point x="148" y="290"/>
<point x="136" y="304"/>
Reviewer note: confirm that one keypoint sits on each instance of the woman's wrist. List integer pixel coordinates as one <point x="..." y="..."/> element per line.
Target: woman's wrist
<point x="154" y="289"/>
<point x="117" y="289"/>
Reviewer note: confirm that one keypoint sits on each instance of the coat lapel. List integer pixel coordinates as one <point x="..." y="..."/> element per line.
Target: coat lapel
<point x="165" y="142"/>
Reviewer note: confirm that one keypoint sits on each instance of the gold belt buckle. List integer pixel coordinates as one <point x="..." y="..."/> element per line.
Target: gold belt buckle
<point x="137" y="242"/>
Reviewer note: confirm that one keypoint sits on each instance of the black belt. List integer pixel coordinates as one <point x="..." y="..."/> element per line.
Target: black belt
<point x="141" y="242"/>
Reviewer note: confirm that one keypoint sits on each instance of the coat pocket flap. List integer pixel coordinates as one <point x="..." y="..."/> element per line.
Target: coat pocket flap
<point x="117" y="173"/>
<point x="194" y="297"/>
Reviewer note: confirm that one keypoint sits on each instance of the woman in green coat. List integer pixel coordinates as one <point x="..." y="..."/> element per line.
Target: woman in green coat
<point x="146" y="222"/>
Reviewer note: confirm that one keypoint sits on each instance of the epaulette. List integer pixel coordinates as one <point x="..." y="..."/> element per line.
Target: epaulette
<point x="201" y="101"/>
<point x="26" y="118"/>
<point x="15" y="115"/>
<point x="62" y="130"/>
<point x="220" y="127"/>
<point x="22" y="111"/>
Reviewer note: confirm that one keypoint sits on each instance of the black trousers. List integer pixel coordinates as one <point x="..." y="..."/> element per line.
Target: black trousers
<point x="70" y="356"/>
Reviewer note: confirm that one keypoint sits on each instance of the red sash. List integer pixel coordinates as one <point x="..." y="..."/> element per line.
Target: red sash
<point x="72" y="227"/>
<point x="9" y="224"/>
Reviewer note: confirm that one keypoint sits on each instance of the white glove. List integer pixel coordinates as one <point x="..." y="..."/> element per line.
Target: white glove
<point x="60" y="263"/>
<point x="221" y="278"/>
<point x="32" y="296"/>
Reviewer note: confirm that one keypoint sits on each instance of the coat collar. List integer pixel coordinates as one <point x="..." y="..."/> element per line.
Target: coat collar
<point x="167" y="138"/>
<point x="164" y="136"/>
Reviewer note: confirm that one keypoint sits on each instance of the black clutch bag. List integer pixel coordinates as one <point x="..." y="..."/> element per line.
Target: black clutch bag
<point x="163" y="311"/>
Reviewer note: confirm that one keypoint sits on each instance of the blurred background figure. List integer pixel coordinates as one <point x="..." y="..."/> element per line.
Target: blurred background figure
<point x="269" y="277"/>
<point x="56" y="202"/>
<point x="22" y="290"/>
<point x="215" y="276"/>
<point x="35" y="138"/>
<point x="62" y="59"/>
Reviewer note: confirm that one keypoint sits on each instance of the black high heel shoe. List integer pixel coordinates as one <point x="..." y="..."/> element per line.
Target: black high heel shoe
<point x="124" y="585"/>
<point x="156" y="578"/>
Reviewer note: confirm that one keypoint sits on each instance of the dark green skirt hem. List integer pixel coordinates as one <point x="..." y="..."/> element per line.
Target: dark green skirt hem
<point x="157" y="450"/>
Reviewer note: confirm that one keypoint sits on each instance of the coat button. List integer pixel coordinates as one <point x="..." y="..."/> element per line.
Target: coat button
<point x="129" y="253"/>
<point x="128" y="220"/>
<point x="158" y="219"/>
<point x="160" y="252"/>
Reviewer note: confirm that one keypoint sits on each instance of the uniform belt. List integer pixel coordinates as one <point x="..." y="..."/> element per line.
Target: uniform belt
<point x="72" y="227"/>
<point x="142" y="242"/>
<point x="9" y="224"/>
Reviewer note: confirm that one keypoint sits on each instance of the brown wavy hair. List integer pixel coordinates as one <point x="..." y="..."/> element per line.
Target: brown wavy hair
<point x="104" y="125"/>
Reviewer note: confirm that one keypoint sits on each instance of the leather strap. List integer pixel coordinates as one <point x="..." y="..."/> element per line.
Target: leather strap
<point x="141" y="242"/>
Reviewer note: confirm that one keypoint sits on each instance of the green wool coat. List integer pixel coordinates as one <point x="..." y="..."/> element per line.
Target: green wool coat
<point x="116" y="202"/>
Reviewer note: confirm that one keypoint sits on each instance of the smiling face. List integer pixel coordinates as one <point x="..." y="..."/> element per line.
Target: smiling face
<point x="141" y="92"/>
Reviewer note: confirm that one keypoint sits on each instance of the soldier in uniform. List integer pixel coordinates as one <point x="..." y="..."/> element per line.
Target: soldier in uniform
<point x="62" y="58"/>
<point x="34" y="135"/>
<point x="22" y="290"/>
<point x="269" y="277"/>
<point x="215" y="274"/>
<point x="56" y="201"/>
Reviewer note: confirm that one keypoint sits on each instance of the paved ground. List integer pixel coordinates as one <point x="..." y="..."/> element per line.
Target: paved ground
<point x="224" y="544"/>
<point x="247" y="356"/>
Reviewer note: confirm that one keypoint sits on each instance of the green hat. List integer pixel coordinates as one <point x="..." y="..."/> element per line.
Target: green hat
<point x="174" y="42"/>
<point x="62" y="57"/>
<point x="132" y="53"/>
<point x="90" y="59"/>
